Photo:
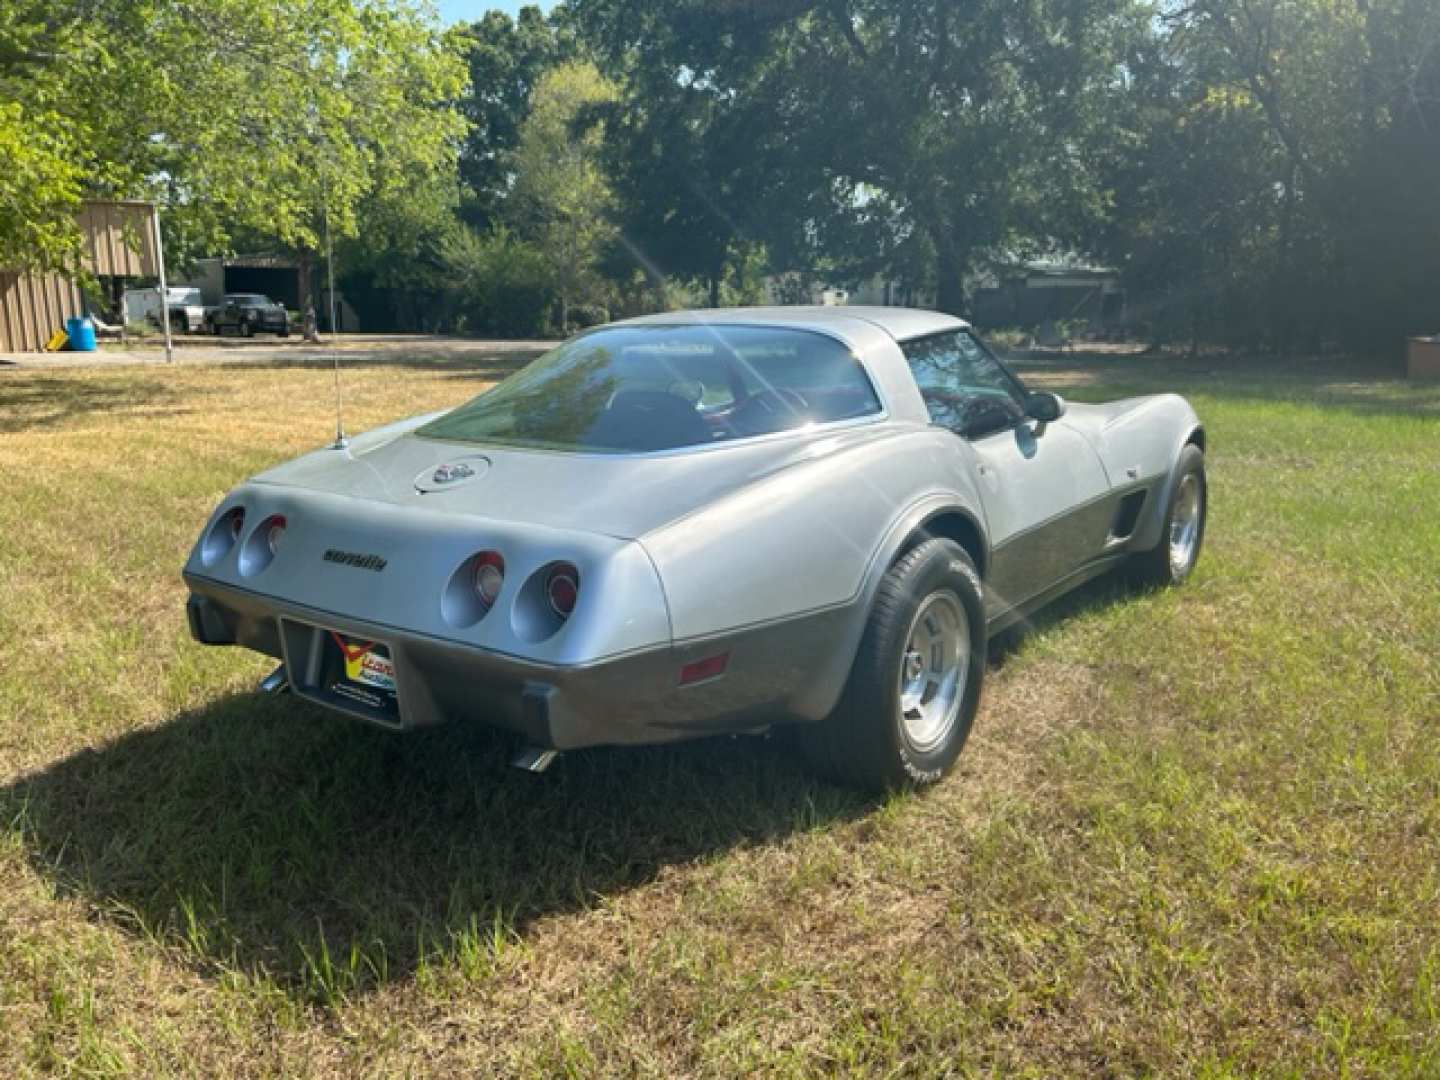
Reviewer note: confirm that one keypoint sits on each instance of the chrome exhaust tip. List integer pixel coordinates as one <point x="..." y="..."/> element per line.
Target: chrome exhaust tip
<point x="534" y="759"/>
<point x="277" y="682"/>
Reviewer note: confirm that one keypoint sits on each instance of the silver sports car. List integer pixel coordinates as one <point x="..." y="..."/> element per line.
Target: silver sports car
<point x="703" y="522"/>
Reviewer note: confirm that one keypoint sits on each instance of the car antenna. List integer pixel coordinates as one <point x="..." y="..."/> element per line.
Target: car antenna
<point x="341" y="442"/>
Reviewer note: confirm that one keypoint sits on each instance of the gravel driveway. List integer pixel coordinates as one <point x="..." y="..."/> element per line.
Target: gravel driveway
<point x="190" y="349"/>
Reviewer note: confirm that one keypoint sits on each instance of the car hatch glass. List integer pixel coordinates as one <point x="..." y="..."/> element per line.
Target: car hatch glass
<point x="663" y="387"/>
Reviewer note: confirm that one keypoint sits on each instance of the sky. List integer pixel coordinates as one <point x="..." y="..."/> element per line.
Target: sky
<point x="470" y="10"/>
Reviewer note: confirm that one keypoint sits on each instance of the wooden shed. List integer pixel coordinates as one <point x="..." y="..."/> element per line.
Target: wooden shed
<point x="118" y="241"/>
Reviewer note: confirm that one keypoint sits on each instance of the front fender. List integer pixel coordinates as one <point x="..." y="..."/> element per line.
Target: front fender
<point x="1139" y="441"/>
<point x="1152" y="522"/>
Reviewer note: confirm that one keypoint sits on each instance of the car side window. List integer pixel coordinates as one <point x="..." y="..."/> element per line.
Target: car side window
<point x="964" y="387"/>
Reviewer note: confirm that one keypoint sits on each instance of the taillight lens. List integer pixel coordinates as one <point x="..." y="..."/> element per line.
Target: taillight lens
<point x="562" y="589"/>
<point x="489" y="576"/>
<point x="222" y="536"/>
<point x="274" y="533"/>
<point x="259" y="548"/>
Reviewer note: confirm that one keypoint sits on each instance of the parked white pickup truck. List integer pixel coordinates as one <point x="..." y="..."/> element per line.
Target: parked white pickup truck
<point x="187" y="309"/>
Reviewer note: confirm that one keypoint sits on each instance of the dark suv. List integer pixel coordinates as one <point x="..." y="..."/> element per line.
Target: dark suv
<point x="245" y="313"/>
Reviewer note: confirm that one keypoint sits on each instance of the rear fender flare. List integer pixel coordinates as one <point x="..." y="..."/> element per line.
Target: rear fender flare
<point x="824" y="691"/>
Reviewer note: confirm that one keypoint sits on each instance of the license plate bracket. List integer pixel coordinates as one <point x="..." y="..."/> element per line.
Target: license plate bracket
<point x="358" y="675"/>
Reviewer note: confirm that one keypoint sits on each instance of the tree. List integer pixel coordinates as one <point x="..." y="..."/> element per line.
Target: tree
<point x="562" y="198"/>
<point x="1282" y="184"/>
<point x="506" y="59"/>
<point x="318" y="107"/>
<point x="66" y="130"/>
<point x="1195" y="202"/>
<point x="274" y="116"/>
<point x="1351" y="93"/>
<point x="395" y="270"/>
<point x="855" y="126"/>
<point x="496" y="284"/>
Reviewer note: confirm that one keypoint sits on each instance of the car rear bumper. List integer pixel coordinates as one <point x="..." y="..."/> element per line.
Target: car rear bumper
<point x="627" y="699"/>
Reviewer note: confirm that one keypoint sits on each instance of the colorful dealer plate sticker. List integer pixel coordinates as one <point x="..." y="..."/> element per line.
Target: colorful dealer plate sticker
<point x="366" y="663"/>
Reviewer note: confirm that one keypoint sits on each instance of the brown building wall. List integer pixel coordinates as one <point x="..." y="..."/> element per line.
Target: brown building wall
<point x="32" y="307"/>
<point x="119" y="241"/>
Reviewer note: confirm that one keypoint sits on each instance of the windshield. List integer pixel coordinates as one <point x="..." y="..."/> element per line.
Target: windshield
<point x="643" y="388"/>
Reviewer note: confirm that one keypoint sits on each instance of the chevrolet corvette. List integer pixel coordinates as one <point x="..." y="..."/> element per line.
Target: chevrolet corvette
<point x="703" y="522"/>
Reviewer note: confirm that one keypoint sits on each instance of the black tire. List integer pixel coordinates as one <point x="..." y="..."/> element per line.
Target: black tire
<point x="866" y="742"/>
<point x="285" y="331"/>
<point x="1156" y="568"/>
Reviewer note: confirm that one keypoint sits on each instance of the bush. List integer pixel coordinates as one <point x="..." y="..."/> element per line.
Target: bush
<point x="583" y="316"/>
<point x="498" y="286"/>
<point x="1007" y="338"/>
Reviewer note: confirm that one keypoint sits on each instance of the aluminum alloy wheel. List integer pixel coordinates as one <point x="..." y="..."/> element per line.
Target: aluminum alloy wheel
<point x="1185" y="524"/>
<point x="933" y="670"/>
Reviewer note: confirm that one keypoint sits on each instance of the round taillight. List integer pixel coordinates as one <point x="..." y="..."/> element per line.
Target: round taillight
<point x="260" y="547"/>
<point x="222" y="537"/>
<point x="562" y="588"/>
<point x="489" y="576"/>
<point x="274" y="532"/>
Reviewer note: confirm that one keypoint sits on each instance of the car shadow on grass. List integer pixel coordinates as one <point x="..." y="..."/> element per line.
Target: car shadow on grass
<point x="264" y="835"/>
<point x="1109" y="590"/>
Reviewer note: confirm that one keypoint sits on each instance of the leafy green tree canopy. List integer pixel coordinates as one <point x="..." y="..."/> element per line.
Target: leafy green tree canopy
<point x="507" y="59"/>
<point x="562" y="198"/>
<point x="859" y="125"/>
<point x="266" y="115"/>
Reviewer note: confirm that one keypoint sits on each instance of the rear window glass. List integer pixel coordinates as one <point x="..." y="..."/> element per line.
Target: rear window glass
<point x="645" y="388"/>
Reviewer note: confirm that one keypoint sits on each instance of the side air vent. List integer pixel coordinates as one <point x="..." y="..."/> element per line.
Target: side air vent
<point x="1127" y="514"/>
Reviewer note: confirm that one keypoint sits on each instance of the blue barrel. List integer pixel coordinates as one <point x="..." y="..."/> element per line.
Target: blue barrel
<point x="82" y="334"/>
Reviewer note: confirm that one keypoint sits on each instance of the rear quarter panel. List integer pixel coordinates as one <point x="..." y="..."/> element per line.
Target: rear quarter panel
<point x="783" y="572"/>
<point x="806" y="538"/>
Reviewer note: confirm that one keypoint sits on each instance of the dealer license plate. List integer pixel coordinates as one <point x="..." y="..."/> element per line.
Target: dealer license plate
<point x="365" y="673"/>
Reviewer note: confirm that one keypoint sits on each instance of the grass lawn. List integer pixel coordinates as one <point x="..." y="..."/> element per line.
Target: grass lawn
<point x="1194" y="833"/>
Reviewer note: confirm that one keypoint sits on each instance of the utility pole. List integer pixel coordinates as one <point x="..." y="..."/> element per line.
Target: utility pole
<point x="330" y="267"/>
<point x="164" y="291"/>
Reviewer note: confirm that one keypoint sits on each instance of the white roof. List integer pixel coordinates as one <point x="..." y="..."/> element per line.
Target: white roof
<point x="900" y="323"/>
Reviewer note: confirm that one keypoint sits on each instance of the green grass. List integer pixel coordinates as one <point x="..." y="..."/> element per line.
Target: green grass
<point x="1195" y="832"/>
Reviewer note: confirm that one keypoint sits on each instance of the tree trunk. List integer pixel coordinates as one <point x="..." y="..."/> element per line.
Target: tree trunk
<point x="949" y="279"/>
<point x="714" y="290"/>
<point x="305" y="261"/>
<point x="1285" y="272"/>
